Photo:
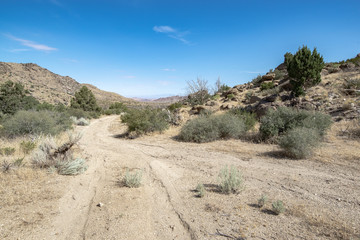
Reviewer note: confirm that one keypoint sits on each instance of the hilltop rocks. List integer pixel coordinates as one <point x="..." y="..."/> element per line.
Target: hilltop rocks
<point x="268" y="77"/>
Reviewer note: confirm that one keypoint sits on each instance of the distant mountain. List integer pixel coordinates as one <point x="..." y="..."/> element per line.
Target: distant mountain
<point x="164" y="100"/>
<point x="47" y="86"/>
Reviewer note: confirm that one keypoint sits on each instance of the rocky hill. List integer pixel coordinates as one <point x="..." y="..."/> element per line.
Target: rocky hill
<point x="47" y="86"/>
<point x="338" y="94"/>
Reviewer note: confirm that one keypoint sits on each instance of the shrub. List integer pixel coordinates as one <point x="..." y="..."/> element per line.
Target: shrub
<point x="198" y="91"/>
<point x="257" y="80"/>
<point x="278" y="207"/>
<point x="36" y="123"/>
<point x="300" y="142"/>
<point x="248" y="118"/>
<point x="72" y="167"/>
<point x="230" y="180"/>
<point x="132" y="180"/>
<point x="279" y="74"/>
<point x="352" y="86"/>
<point x="27" y="146"/>
<point x="223" y="88"/>
<point x="146" y="120"/>
<point x="211" y="128"/>
<point x="116" y="108"/>
<point x="6" y="166"/>
<point x="304" y="68"/>
<point x="277" y="122"/>
<point x="201" y="190"/>
<point x="266" y="86"/>
<point x="262" y="201"/>
<point x="230" y="96"/>
<point x="80" y="122"/>
<point x="174" y="106"/>
<point x="215" y="97"/>
<point x="77" y="113"/>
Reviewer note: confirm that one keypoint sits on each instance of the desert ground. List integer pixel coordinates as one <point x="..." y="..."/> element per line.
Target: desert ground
<point x="321" y="194"/>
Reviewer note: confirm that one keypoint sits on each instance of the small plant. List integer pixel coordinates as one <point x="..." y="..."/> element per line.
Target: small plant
<point x="18" y="162"/>
<point x="248" y="118"/>
<point x="352" y="86"/>
<point x="279" y="74"/>
<point x="230" y="96"/>
<point x="300" y="142"/>
<point x="7" y="151"/>
<point x="231" y="180"/>
<point x="132" y="180"/>
<point x="266" y="86"/>
<point x="82" y="122"/>
<point x="215" y="97"/>
<point x="174" y="106"/>
<point x="278" y="207"/>
<point x="256" y="81"/>
<point x="262" y="201"/>
<point x="201" y="190"/>
<point x="72" y="167"/>
<point x="27" y="146"/>
<point x="248" y="95"/>
<point x="6" y="166"/>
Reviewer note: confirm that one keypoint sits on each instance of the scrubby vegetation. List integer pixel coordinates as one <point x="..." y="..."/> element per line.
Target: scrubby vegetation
<point x="278" y="122"/>
<point x="200" y="190"/>
<point x="142" y="121"/>
<point x="212" y="127"/>
<point x="116" y="108"/>
<point x="230" y="180"/>
<point x="278" y="207"/>
<point x="35" y="123"/>
<point x="84" y="99"/>
<point x="266" y="86"/>
<point x="248" y="118"/>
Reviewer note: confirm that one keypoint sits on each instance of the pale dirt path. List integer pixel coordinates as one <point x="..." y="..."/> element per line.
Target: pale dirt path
<point x="322" y="198"/>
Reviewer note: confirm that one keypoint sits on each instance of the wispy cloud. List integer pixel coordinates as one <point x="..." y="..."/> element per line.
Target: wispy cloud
<point x="173" y="33"/>
<point x="31" y="44"/>
<point x="169" y="69"/>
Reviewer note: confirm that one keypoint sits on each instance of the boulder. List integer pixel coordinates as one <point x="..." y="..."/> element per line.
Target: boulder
<point x="254" y="99"/>
<point x="271" y="98"/>
<point x="268" y="77"/>
<point x="227" y="106"/>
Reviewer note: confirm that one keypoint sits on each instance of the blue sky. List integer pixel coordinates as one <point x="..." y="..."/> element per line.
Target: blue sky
<point x="150" y="48"/>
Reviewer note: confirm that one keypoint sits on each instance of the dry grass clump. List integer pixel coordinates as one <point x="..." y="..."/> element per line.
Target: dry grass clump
<point x="132" y="180"/>
<point x="60" y="157"/>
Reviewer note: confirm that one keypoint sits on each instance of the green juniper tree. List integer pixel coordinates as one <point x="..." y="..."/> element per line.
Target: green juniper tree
<point x="84" y="99"/>
<point x="304" y="69"/>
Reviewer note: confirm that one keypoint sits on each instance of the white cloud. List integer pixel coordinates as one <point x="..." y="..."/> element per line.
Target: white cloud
<point x="19" y="50"/>
<point x="164" y="29"/>
<point x="169" y="69"/>
<point x="173" y="33"/>
<point x="31" y="44"/>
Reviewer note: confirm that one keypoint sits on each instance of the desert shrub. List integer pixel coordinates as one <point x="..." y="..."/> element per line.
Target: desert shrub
<point x="257" y="80"/>
<point x="198" y="91"/>
<point x="304" y="69"/>
<point x="266" y="86"/>
<point x="201" y="190"/>
<point x="223" y="88"/>
<point x="174" y="106"/>
<point x="211" y="128"/>
<point x="132" y="180"/>
<point x="116" y="108"/>
<point x="229" y="126"/>
<point x="278" y="207"/>
<point x="146" y="120"/>
<point x="215" y="97"/>
<point x="279" y="74"/>
<point x="248" y="95"/>
<point x="27" y="146"/>
<point x="72" y="167"/>
<point x="7" y="151"/>
<point x="277" y="122"/>
<point x="248" y="118"/>
<point x="262" y="201"/>
<point x="35" y="123"/>
<point x="80" y="122"/>
<point x="352" y="86"/>
<point x="300" y="142"/>
<point x="230" y="179"/>
<point x="6" y="166"/>
<point x="230" y="96"/>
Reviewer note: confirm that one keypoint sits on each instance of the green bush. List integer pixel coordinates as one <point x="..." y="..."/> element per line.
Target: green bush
<point x="116" y="108"/>
<point x="7" y="151"/>
<point x="35" y="123"/>
<point x="231" y="180"/>
<point x="256" y="80"/>
<point x="304" y="69"/>
<point x="279" y="74"/>
<point x="262" y="201"/>
<point x="84" y="99"/>
<point x="266" y="86"/>
<point x="146" y="120"/>
<point x="201" y="190"/>
<point x="248" y="118"/>
<point x="300" y="142"/>
<point x="72" y="167"/>
<point x="211" y="128"/>
<point x="230" y="96"/>
<point x="174" y="106"/>
<point x="277" y="122"/>
<point x="224" y="88"/>
<point x="27" y="146"/>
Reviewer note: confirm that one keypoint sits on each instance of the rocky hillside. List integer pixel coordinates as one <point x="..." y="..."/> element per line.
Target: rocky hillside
<point x="338" y="93"/>
<point x="47" y="86"/>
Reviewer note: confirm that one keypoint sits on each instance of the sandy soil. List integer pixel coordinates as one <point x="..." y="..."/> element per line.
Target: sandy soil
<point x="321" y="194"/>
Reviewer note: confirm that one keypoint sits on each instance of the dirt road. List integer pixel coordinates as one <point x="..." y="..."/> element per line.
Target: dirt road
<point x="321" y="195"/>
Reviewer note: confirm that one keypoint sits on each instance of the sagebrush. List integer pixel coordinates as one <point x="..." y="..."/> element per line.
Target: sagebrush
<point x="231" y="180"/>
